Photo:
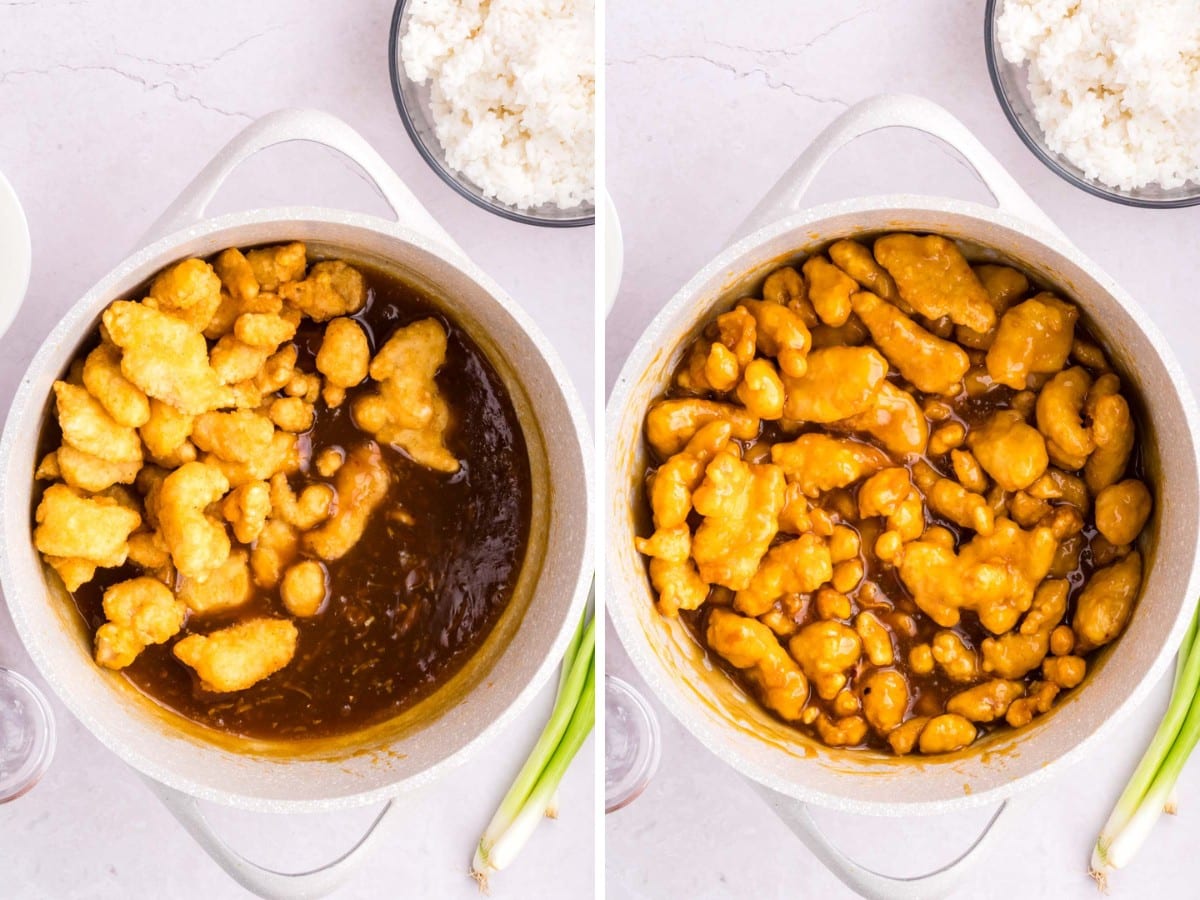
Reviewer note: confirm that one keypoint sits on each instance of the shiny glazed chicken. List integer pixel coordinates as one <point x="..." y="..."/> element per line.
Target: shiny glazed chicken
<point x="898" y="496"/>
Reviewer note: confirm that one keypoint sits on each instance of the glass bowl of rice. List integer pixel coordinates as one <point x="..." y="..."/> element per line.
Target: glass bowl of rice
<point x="1122" y="125"/>
<point x="484" y="163"/>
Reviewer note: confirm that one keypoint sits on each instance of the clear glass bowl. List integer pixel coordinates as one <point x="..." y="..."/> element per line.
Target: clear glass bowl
<point x="412" y="100"/>
<point x="1012" y="89"/>
<point x="26" y="735"/>
<point x="632" y="746"/>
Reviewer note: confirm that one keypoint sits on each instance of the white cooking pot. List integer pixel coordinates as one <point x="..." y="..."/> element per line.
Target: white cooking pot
<point x="789" y="768"/>
<point x="182" y="762"/>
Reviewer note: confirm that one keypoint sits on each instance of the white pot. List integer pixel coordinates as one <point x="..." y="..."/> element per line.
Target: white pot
<point x="183" y="762"/>
<point x="792" y="769"/>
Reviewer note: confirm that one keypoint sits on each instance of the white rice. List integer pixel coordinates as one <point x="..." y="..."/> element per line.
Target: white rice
<point x="512" y="86"/>
<point x="1115" y="84"/>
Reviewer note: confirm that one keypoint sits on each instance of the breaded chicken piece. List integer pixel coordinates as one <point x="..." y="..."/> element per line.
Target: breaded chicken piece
<point x="345" y="354"/>
<point x="185" y="285"/>
<point x="165" y="358"/>
<point x="227" y="587"/>
<point x="140" y="612"/>
<point x="166" y="432"/>
<point x="273" y="266"/>
<point x="331" y="289"/>
<point x="189" y="291"/>
<point x="246" y="508"/>
<point x="409" y="411"/>
<point x="935" y="280"/>
<point x="91" y="473"/>
<point x="148" y="550"/>
<point x="750" y="646"/>
<point x="277" y="371"/>
<point x="198" y="542"/>
<point x="305" y="588"/>
<point x="121" y="398"/>
<point x="234" y="361"/>
<point x="71" y="524"/>
<point x="241" y="655"/>
<point x="87" y="426"/>
<point x="277" y="547"/>
<point x="304" y="511"/>
<point x="362" y="483"/>
<point x="266" y="331"/>
<point x="238" y="436"/>
<point x="48" y="469"/>
<point x="236" y="274"/>
<point x="73" y="571"/>
<point x="282" y="455"/>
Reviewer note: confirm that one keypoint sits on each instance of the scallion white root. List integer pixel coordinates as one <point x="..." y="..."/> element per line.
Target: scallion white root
<point x="1151" y="789"/>
<point x="534" y="791"/>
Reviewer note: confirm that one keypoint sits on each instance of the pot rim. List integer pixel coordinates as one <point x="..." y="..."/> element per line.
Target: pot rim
<point x="655" y="337"/>
<point x="86" y="308"/>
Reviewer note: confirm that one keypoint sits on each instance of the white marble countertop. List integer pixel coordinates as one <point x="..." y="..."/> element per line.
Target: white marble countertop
<point x="706" y="108"/>
<point x="106" y="110"/>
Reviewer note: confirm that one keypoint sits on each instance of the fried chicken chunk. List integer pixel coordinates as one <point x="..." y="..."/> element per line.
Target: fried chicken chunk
<point x="189" y="292"/>
<point x="237" y="657"/>
<point x="120" y="397"/>
<point x="935" y="280"/>
<point x="1034" y="338"/>
<point x="140" y="612"/>
<point x="87" y="426"/>
<point x="166" y="432"/>
<point x="345" y="355"/>
<point x="198" y="542"/>
<point x="995" y="575"/>
<point x="277" y="547"/>
<point x="241" y="436"/>
<point x="749" y="645"/>
<point x="930" y="363"/>
<point x="91" y="473"/>
<point x="740" y="503"/>
<point x="165" y="358"/>
<point x="95" y="529"/>
<point x="409" y="411"/>
<point x="227" y="587"/>
<point x="819" y="463"/>
<point x="236" y="274"/>
<point x="305" y="588"/>
<point x="273" y="266"/>
<point x="793" y="567"/>
<point x="670" y="424"/>
<point x="246" y="508"/>
<point x="894" y="419"/>
<point x="840" y="382"/>
<point x="331" y="289"/>
<point x="361" y="483"/>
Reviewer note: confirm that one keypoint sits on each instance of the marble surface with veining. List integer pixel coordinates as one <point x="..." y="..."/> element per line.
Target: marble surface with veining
<point x="107" y="109"/>
<point x="707" y="104"/>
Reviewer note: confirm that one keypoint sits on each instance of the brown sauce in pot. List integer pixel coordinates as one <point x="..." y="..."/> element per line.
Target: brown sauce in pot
<point x="410" y="604"/>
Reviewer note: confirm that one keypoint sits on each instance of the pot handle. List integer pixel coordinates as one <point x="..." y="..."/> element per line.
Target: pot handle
<point x="871" y="884"/>
<point x="894" y="111"/>
<point x="258" y="879"/>
<point x="286" y="125"/>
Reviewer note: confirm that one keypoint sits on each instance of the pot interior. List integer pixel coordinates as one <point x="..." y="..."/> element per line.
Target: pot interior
<point x="407" y="749"/>
<point x="732" y="724"/>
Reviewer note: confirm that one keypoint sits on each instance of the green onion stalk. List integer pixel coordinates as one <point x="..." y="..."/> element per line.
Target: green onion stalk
<point x="533" y="793"/>
<point x="1151" y="790"/>
<point x="563" y="671"/>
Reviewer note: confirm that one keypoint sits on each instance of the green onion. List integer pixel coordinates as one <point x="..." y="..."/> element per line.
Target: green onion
<point x="1151" y="789"/>
<point x="563" y="671"/>
<point x="531" y="794"/>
